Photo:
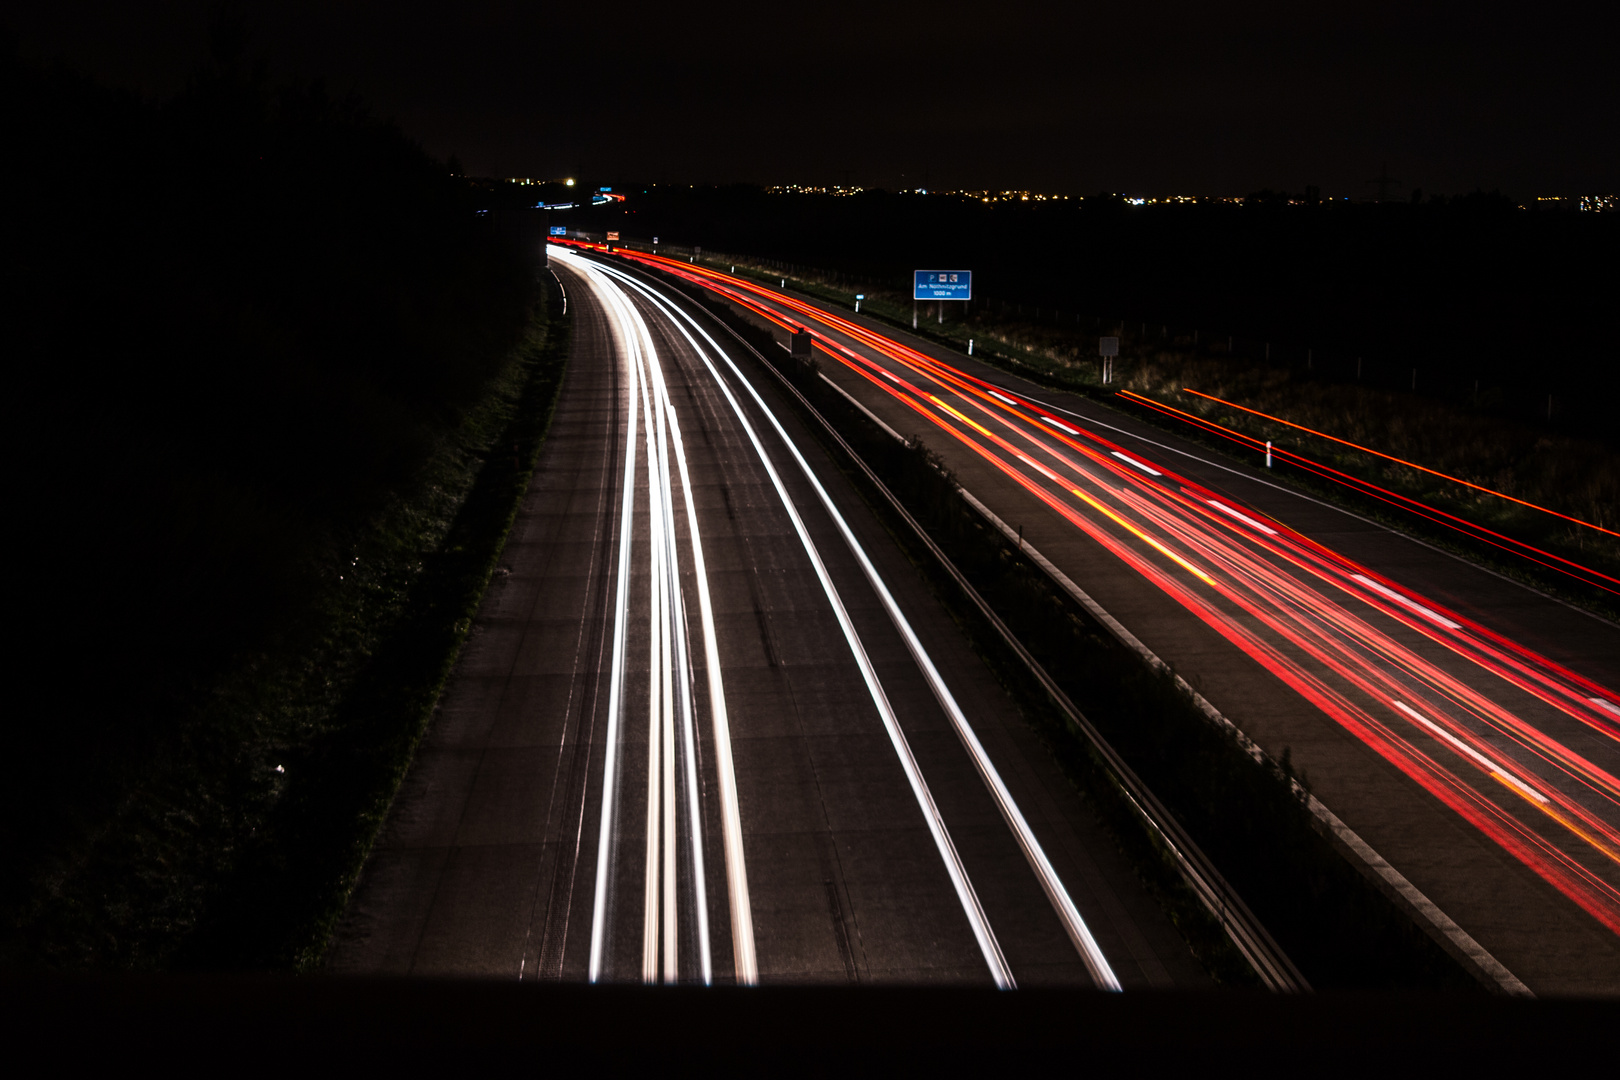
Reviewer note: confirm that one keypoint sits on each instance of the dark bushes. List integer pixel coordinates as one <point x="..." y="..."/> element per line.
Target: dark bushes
<point x="240" y="323"/>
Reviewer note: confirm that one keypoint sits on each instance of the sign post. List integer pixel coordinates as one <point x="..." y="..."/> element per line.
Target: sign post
<point x="858" y="298"/>
<point x="939" y="285"/>
<point x="1107" y="348"/>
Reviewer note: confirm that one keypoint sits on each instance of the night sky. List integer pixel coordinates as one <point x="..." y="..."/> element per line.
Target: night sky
<point x="1154" y="98"/>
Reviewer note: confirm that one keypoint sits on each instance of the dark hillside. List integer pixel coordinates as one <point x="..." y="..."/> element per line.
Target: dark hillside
<point x="238" y="325"/>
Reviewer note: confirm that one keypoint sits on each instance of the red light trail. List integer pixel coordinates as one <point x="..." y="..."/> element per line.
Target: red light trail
<point x="1392" y="457"/>
<point x="1347" y="639"/>
<point x="1508" y="544"/>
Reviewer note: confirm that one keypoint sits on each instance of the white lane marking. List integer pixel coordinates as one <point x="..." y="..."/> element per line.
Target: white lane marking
<point x="1127" y="459"/>
<point x="1463" y="748"/>
<point x="1412" y="898"/>
<point x="1247" y="475"/>
<point x="1489" y="967"/>
<point x="610" y="768"/>
<point x="969" y="900"/>
<point x="1060" y="425"/>
<point x="1043" y="470"/>
<point x="679" y="633"/>
<point x="1003" y="397"/>
<point x="669" y="680"/>
<point x="741" y="909"/>
<point x="1609" y="705"/>
<point x="1412" y="604"/>
<point x="1246" y="519"/>
<point x="1074" y="924"/>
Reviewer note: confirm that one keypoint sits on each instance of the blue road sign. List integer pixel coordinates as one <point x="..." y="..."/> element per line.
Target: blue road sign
<point x="559" y="230"/>
<point x="943" y="285"/>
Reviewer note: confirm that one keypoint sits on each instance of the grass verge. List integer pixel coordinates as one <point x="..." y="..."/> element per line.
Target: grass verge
<point x="294" y="879"/>
<point x="237" y="840"/>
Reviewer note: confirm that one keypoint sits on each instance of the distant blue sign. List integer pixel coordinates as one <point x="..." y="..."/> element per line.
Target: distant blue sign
<point x="559" y="230"/>
<point x="943" y="285"/>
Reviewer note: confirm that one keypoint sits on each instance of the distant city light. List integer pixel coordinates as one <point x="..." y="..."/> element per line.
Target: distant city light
<point x="1592" y="203"/>
<point x="813" y="189"/>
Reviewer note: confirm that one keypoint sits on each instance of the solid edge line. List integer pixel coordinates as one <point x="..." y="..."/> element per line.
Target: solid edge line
<point x="1457" y="941"/>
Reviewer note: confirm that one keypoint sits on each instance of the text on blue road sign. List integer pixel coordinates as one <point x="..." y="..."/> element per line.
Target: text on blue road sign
<point x="943" y="285"/>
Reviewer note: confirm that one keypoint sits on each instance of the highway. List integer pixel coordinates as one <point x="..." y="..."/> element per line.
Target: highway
<point x="1461" y="726"/>
<point x="710" y="726"/>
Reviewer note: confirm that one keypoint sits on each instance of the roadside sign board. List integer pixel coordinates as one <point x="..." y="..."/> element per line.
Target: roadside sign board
<point x="559" y="230"/>
<point x="942" y="285"/>
<point x="1108" y="346"/>
<point x="613" y="236"/>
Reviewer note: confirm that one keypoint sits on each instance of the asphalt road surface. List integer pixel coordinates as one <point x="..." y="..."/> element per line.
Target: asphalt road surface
<point x="710" y="726"/>
<point x="1465" y="726"/>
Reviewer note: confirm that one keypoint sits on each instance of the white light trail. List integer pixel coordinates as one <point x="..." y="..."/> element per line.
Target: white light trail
<point x="658" y="645"/>
<point x="669" y="683"/>
<point x="610" y="771"/>
<point x="969" y="900"/>
<point x="1081" y="935"/>
<point x="676" y="622"/>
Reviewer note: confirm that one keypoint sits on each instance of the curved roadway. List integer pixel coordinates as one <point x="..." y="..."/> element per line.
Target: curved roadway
<point x="1466" y="727"/>
<point x="804" y="772"/>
